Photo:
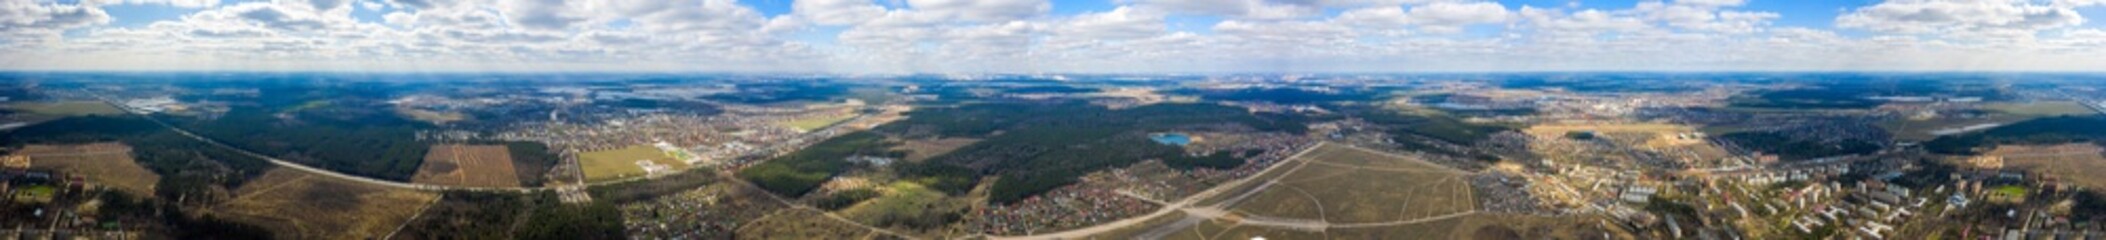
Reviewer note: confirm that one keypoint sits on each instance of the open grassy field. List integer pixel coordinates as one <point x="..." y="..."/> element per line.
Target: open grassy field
<point x="71" y="108"/>
<point x="2075" y="163"/>
<point x="107" y="164"/>
<point x="816" y="122"/>
<point x="467" y="165"/>
<point x="903" y="204"/>
<point x="35" y="194"/>
<point x="624" y="163"/>
<point x="300" y="205"/>
<point x="1349" y="185"/>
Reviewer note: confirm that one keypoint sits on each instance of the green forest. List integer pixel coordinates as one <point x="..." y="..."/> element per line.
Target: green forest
<point x="1791" y="148"/>
<point x="1034" y="148"/>
<point x="370" y="144"/>
<point x="186" y="166"/>
<point x="801" y="171"/>
<point x="2050" y="130"/>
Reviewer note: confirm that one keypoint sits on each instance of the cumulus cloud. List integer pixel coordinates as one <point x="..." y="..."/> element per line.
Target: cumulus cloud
<point x="982" y="10"/>
<point x="29" y="19"/>
<point x="175" y="3"/>
<point x="1246" y="9"/>
<point x="837" y="12"/>
<point x="1451" y="17"/>
<point x="1026" y="36"/>
<point x="1972" y="18"/>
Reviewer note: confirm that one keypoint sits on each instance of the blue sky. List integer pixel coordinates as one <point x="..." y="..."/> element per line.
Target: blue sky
<point x="1026" y="36"/>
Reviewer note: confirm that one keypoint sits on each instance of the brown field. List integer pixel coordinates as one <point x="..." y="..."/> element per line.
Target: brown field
<point x="1486" y="226"/>
<point x="1343" y="192"/>
<point x="795" y="223"/>
<point x="2076" y="163"/>
<point x="1228" y="229"/>
<point x="1348" y="185"/>
<point x="467" y="165"/>
<point x="1649" y="134"/>
<point x="108" y="164"/>
<point x="1492" y="227"/>
<point x="72" y="108"/>
<point x="433" y="117"/>
<point x="923" y="149"/>
<point x="1557" y="130"/>
<point x="300" y="205"/>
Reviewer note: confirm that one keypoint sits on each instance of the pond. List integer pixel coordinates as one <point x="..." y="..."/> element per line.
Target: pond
<point x="1173" y="139"/>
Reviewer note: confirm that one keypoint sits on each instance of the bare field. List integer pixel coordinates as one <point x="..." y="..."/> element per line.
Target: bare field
<point x="794" y="223"/>
<point x="918" y="150"/>
<point x="299" y="205"/>
<point x="1491" y="227"/>
<point x="73" y="108"/>
<point x="2077" y="163"/>
<point x="1474" y="226"/>
<point x="109" y="164"/>
<point x="1556" y="130"/>
<point x="433" y="117"/>
<point x="816" y="122"/>
<point x="1348" y="185"/>
<point x="1228" y="229"/>
<point x="467" y="165"/>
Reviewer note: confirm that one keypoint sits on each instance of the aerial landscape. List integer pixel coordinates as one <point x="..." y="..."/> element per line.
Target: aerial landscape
<point x="1035" y="119"/>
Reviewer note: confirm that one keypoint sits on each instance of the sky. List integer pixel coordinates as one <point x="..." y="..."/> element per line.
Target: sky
<point x="1051" y="36"/>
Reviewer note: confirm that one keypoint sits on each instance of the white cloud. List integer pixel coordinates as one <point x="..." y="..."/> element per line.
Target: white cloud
<point x="1117" y="24"/>
<point x="1244" y="9"/>
<point x="837" y="12"/>
<point x="1025" y="36"/>
<point x="982" y="10"/>
<point x="27" y="18"/>
<point x="1962" y="18"/>
<point x="175" y="3"/>
<point x="1451" y="17"/>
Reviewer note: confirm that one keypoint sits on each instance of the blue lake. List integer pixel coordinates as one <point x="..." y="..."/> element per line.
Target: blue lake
<point x="1174" y="139"/>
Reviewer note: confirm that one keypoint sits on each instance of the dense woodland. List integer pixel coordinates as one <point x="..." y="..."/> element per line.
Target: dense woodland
<point x="800" y="172"/>
<point x="479" y="215"/>
<point x="2050" y="130"/>
<point x="1787" y="147"/>
<point x="187" y="166"/>
<point x="189" y="170"/>
<point x="374" y="144"/>
<point x="1031" y="147"/>
<point x="1855" y="93"/>
<point x="1283" y="95"/>
<point x="1216" y="160"/>
<point x="1034" y="148"/>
